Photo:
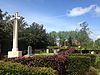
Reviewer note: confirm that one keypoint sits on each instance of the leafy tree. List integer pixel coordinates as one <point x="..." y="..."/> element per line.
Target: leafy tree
<point x="83" y="35"/>
<point x="70" y="41"/>
<point x="51" y="40"/>
<point x="52" y="37"/>
<point x="72" y="34"/>
<point x="2" y="28"/>
<point x="62" y="37"/>
<point x="97" y="44"/>
<point x="36" y="36"/>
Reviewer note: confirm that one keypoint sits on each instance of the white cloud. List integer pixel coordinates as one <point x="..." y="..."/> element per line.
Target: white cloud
<point x="97" y="10"/>
<point x="80" y="10"/>
<point x="98" y="37"/>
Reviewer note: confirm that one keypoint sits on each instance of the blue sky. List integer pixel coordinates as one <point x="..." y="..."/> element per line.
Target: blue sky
<point x="57" y="15"/>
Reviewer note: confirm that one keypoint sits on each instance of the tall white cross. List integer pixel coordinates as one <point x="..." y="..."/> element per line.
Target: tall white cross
<point x="15" y="32"/>
<point x="15" y="52"/>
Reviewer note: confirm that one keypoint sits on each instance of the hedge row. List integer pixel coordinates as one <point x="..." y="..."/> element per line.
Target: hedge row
<point x="77" y="65"/>
<point x="71" y="65"/>
<point x="8" y="68"/>
<point x="57" y="62"/>
<point x="98" y="62"/>
<point x="64" y="64"/>
<point x="92" y="57"/>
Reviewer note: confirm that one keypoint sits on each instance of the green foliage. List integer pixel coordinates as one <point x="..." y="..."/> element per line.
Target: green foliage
<point x="3" y="33"/>
<point x="92" y="71"/>
<point x="52" y="38"/>
<point x="77" y="65"/>
<point x="62" y="37"/>
<point x="97" y="44"/>
<point x="72" y="65"/>
<point x="98" y="58"/>
<point x="92" y="57"/>
<point x="36" y="36"/>
<point x="70" y="41"/>
<point x="98" y="62"/>
<point x="53" y="47"/>
<point x="8" y="68"/>
<point x="83" y="35"/>
<point x="57" y="62"/>
<point x="44" y="71"/>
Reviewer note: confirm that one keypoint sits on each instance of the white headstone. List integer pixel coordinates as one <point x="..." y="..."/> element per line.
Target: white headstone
<point x="92" y="52"/>
<point x="47" y="50"/>
<point x="55" y="51"/>
<point x="29" y="50"/>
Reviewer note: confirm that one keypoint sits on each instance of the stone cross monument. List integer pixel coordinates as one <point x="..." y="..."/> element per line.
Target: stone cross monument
<point x="15" y="52"/>
<point x="15" y="33"/>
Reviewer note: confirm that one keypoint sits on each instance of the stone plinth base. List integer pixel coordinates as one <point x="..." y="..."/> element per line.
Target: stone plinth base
<point x="12" y="54"/>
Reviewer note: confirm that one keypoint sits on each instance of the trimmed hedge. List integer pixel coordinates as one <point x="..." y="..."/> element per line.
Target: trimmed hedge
<point x="98" y="62"/>
<point x="8" y="68"/>
<point x="57" y="62"/>
<point x="92" y="71"/>
<point x="64" y="64"/>
<point x="92" y="57"/>
<point x="77" y="65"/>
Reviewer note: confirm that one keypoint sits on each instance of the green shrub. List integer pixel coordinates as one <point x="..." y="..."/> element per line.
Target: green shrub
<point x="92" y="57"/>
<point x="57" y="62"/>
<point x="65" y="65"/>
<point x="39" y="51"/>
<point x="53" y="47"/>
<point x="72" y="65"/>
<point x="98" y="64"/>
<point x="8" y="68"/>
<point x="92" y="71"/>
<point x="98" y="58"/>
<point x="44" y="71"/>
<point x="77" y="65"/>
